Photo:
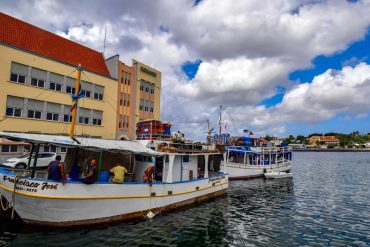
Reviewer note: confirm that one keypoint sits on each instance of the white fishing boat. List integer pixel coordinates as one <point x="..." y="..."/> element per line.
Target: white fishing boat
<point x="185" y="178"/>
<point x="252" y="162"/>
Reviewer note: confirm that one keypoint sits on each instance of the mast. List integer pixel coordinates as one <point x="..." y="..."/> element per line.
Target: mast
<point x="75" y="102"/>
<point x="220" y="131"/>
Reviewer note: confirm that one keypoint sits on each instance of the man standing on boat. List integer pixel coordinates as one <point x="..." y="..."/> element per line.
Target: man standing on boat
<point x="56" y="170"/>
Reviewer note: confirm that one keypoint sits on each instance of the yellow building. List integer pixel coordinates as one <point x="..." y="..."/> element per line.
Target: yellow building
<point x="314" y="140"/>
<point x="37" y="78"/>
<point x="138" y="96"/>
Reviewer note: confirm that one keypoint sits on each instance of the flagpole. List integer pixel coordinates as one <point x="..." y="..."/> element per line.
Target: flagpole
<point x="75" y="102"/>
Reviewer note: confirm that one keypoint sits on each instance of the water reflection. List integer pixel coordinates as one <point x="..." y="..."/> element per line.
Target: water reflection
<point x="326" y="203"/>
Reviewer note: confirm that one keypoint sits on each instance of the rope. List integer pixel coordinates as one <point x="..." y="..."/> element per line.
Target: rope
<point x="16" y="179"/>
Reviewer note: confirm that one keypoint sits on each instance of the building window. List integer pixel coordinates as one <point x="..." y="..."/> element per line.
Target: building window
<point x="67" y="118"/>
<point x="120" y="102"/>
<point x="128" y="103"/>
<point x="34" y="114"/>
<point x="15" y="112"/>
<point x="46" y="148"/>
<point x="52" y="116"/>
<point x="141" y="107"/>
<point x="55" y="86"/>
<point x="83" y="120"/>
<point x="70" y="90"/>
<point x="17" y="78"/>
<point x="96" y="121"/>
<point x="151" y="109"/>
<point x="147" y="90"/>
<point x="152" y="91"/>
<point x="98" y="96"/>
<point x="9" y="148"/>
<point x="53" y="149"/>
<point x="141" y="88"/>
<point x="86" y="93"/>
<point x="37" y="82"/>
<point x="128" y="82"/>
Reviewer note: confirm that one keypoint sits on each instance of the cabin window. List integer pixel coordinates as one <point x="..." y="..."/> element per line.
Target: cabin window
<point x="63" y="149"/>
<point x="186" y="159"/>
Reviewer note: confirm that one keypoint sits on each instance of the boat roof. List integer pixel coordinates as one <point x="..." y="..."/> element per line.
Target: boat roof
<point x="241" y="149"/>
<point x="116" y="146"/>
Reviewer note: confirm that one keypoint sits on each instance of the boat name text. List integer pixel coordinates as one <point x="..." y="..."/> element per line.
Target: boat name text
<point x="26" y="183"/>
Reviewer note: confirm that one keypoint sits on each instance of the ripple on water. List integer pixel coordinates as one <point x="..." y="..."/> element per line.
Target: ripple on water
<point x="326" y="203"/>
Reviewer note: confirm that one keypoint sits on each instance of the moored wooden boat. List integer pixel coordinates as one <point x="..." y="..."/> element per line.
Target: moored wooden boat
<point x="186" y="178"/>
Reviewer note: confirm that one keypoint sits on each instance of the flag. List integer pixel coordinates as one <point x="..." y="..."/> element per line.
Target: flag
<point x="73" y="107"/>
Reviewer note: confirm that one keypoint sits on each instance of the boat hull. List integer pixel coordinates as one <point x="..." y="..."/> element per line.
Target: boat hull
<point x="48" y="203"/>
<point x="278" y="175"/>
<point x="240" y="171"/>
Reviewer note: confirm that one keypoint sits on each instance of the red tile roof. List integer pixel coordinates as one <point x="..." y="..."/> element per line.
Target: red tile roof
<point x="328" y="138"/>
<point x="27" y="37"/>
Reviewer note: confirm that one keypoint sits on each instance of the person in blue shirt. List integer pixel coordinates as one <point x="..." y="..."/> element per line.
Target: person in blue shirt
<point x="56" y="170"/>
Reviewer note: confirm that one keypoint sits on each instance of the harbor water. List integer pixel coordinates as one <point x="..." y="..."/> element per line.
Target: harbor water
<point x="327" y="203"/>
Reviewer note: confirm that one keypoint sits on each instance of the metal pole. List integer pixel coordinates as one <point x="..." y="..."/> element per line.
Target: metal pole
<point x="35" y="160"/>
<point x="30" y="158"/>
<point x="100" y="164"/>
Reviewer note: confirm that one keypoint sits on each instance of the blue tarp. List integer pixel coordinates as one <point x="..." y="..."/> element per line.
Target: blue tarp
<point x="247" y="140"/>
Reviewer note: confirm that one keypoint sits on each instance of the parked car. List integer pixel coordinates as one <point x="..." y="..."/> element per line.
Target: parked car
<point x="43" y="160"/>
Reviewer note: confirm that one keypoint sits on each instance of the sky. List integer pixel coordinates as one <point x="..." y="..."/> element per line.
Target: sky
<point x="277" y="67"/>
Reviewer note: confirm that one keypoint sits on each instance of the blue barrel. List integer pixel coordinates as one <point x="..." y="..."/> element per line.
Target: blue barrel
<point x="104" y="176"/>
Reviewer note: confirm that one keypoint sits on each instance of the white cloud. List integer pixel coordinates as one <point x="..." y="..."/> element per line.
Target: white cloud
<point x="248" y="48"/>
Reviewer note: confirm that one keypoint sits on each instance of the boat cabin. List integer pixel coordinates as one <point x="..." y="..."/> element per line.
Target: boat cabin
<point x="258" y="155"/>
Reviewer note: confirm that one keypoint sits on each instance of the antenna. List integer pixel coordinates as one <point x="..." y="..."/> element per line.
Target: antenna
<point x="105" y="38"/>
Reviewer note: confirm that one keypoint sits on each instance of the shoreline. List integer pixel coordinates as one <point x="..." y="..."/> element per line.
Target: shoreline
<point x="331" y="150"/>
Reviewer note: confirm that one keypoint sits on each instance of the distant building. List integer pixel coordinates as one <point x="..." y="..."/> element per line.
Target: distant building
<point x="313" y="140"/>
<point x="329" y="141"/>
<point x="37" y="78"/>
<point x="138" y="95"/>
